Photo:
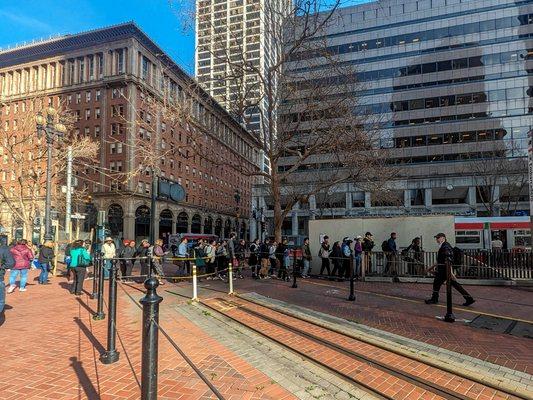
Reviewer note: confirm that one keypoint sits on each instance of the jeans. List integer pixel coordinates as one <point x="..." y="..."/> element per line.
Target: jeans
<point x="357" y="265"/>
<point x="107" y="268"/>
<point x="23" y="277"/>
<point x="43" y="276"/>
<point x="306" y="267"/>
<point x="2" y="296"/>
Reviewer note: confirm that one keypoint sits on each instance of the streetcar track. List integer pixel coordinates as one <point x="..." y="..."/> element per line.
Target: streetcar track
<point x="412" y="379"/>
<point x="415" y="380"/>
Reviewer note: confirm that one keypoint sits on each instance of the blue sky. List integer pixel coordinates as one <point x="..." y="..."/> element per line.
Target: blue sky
<point x="163" y="20"/>
<point x="168" y="22"/>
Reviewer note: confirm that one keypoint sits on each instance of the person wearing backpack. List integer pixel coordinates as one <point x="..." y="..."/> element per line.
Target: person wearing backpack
<point x="80" y="260"/>
<point x="323" y="253"/>
<point x="391" y="255"/>
<point x="446" y="257"/>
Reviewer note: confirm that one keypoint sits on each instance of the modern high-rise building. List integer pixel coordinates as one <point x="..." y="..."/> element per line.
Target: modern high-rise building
<point x="451" y="84"/>
<point x="230" y="34"/>
<point x="115" y="82"/>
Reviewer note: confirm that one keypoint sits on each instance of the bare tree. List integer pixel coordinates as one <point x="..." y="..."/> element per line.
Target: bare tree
<point x="23" y="168"/>
<point x="304" y="103"/>
<point x="501" y="182"/>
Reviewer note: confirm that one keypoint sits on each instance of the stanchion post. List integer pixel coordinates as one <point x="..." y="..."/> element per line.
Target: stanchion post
<point x="96" y="267"/>
<point x="230" y="278"/>
<point x="100" y="292"/>
<point x="150" y="266"/>
<point x="351" y="297"/>
<point x="449" y="317"/>
<point x="294" y="284"/>
<point x="194" y="284"/>
<point x="150" y="303"/>
<point x="111" y="355"/>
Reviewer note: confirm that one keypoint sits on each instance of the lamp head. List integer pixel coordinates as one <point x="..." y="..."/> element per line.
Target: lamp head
<point x="39" y="119"/>
<point x="60" y="128"/>
<point x="51" y="111"/>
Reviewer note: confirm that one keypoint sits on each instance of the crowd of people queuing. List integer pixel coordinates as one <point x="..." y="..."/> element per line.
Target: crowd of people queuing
<point x="267" y="259"/>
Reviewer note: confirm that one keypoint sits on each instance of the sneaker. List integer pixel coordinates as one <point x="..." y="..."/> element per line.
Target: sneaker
<point x="431" y="301"/>
<point x="22" y="289"/>
<point x="11" y="289"/>
<point x="469" y="301"/>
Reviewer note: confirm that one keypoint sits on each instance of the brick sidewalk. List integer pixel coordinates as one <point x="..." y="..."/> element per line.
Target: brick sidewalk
<point x="375" y="306"/>
<point x="50" y="349"/>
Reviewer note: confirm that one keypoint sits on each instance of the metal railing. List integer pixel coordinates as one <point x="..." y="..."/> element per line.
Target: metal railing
<point x="475" y="264"/>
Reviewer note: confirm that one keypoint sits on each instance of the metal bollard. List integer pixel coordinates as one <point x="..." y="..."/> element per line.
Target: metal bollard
<point x="96" y="265"/>
<point x="150" y="332"/>
<point x="230" y="278"/>
<point x="111" y="355"/>
<point x="100" y="292"/>
<point x="194" y="284"/>
<point x="449" y="317"/>
<point x="294" y="284"/>
<point x="150" y="267"/>
<point x="351" y="297"/>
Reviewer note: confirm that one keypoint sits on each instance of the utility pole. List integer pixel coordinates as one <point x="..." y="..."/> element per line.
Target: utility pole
<point x="68" y="207"/>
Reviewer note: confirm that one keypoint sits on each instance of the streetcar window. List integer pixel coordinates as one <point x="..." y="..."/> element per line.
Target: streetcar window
<point x="522" y="237"/>
<point x="468" y="237"/>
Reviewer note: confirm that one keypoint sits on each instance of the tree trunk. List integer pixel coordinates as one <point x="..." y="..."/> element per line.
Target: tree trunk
<point x="276" y="197"/>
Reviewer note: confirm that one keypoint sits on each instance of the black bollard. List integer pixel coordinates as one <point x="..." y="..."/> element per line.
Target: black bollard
<point x="351" y="297"/>
<point x="150" y="267"/>
<point x="100" y="291"/>
<point x="111" y="355"/>
<point x="96" y="264"/>
<point x="449" y="317"/>
<point x="150" y="332"/>
<point x="294" y="272"/>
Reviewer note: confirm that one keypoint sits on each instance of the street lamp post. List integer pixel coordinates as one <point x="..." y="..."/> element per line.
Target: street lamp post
<point x="48" y="127"/>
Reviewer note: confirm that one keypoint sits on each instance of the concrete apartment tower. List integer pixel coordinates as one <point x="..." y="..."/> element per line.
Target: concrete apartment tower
<point x="231" y="34"/>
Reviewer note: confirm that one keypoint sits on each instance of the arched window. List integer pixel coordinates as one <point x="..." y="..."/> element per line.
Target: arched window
<point x="182" y="223"/>
<point x="196" y="224"/>
<point x="115" y="218"/>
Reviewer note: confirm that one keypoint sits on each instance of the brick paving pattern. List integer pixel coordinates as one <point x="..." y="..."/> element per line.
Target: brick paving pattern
<point x="411" y="317"/>
<point x="50" y="350"/>
<point x="380" y="380"/>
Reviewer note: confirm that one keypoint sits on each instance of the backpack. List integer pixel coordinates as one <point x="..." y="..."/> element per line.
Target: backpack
<point x="458" y="257"/>
<point x="385" y="246"/>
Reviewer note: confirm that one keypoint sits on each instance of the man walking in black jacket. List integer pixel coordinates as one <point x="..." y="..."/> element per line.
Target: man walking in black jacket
<point x="445" y="259"/>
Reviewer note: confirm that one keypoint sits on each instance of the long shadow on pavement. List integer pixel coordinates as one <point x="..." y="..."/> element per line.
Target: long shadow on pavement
<point x="97" y="345"/>
<point x="85" y="305"/>
<point x="83" y="379"/>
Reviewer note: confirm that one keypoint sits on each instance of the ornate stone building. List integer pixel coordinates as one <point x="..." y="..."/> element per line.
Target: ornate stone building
<point x="104" y="78"/>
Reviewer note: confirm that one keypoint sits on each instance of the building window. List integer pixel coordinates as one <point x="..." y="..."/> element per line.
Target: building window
<point x="120" y="61"/>
<point x="88" y="96"/>
<point x="98" y="95"/>
<point x="100" y="65"/>
<point x="78" y="98"/>
<point x="88" y="114"/>
<point x="97" y="131"/>
<point x="97" y="112"/>
<point x="117" y="110"/>
<point x="91" y="68"/>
